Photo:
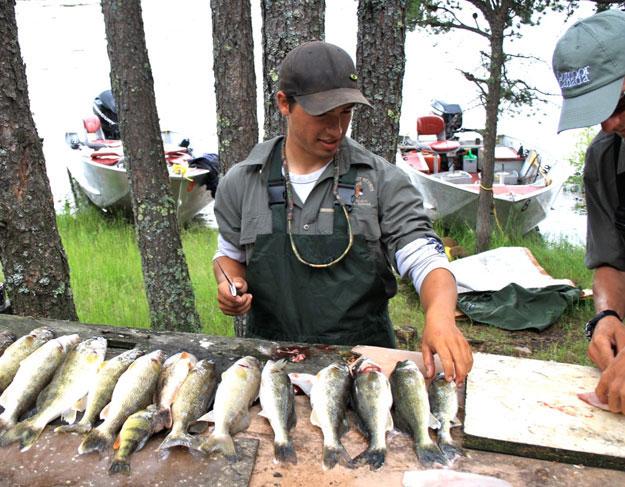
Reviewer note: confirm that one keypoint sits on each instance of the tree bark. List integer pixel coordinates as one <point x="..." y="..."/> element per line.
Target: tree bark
<point x="32" y="255"/>
<point x="170" y="295"/>
<point x="380" y="62"/>
<point x="486" y="202"/>
<point x="286" y="25"/>
<point x="235" y="80"/>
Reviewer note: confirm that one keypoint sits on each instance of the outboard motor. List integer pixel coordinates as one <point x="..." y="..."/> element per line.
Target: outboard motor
<point x="106" y="110"/>
<point x="452" y="116"/>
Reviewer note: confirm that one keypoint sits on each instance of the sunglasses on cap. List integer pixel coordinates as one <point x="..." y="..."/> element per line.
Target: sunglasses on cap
<point x="620" y="106"/>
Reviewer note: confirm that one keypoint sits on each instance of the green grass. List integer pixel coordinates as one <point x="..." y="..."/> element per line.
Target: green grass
<point x="106" y="279"/>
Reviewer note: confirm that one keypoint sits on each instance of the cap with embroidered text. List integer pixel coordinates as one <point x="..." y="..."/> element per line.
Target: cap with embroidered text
<point x="320" y="76"/>
<point x="589" y="64"/>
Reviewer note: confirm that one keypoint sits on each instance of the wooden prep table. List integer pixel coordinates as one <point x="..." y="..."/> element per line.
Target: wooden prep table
<point x="20" y="468"/>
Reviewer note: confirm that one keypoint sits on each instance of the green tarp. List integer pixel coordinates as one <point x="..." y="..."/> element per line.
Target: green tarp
<point x="516" y="308"/>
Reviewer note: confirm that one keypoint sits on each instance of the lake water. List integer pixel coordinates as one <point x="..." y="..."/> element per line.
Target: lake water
<point x="63" y="45"/>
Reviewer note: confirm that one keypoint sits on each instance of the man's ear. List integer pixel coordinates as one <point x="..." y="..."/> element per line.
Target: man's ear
<point x="282" y="103"/>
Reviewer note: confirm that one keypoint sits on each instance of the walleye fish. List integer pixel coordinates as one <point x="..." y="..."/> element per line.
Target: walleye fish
<point x="174" y="372"/>
<point x="134" y="391"/>
<point x="18" y="351"/>
<point x="6" y="339"/>
<point x="278" y="406"/>
<point x="237" y="391"/>
<point x="33" y="375"/>
<point x="194" y="397"/>
<point x="444" y="404"/>
<point x="412" y="411"/>
<point x="329" y="396"/>
<point x="133" y="436"/>
<point x="69" y="384"/>
<point x="101" y="390"/>
<point x="372" y="399"/>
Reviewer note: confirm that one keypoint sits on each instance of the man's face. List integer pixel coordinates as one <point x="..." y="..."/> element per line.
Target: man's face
<point x="615" y="123"/>
<point x="317" y="137"/>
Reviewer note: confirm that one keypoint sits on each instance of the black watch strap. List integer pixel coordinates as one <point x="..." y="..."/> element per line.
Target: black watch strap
<point x="589" y="329"/>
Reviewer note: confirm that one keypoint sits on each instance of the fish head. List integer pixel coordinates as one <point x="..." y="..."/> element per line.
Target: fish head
<point x="157" y="356"/>
<point x="364" y="365"/>
<point x="42" y="333"/>
<point x="205" y="365"/>
<point x="406" y="364"/>
<point x="67" y="342"/>
<point x="249" y="362"/>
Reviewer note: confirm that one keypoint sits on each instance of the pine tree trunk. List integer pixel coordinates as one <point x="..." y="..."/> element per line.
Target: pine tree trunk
<point x="380" y="65"/>
<point x="32" y="255"/>
<point x="286" y="25"/>
<point x="235" y="80"/>
<point x="486" y="202"/>
<point x="170" y="295"/>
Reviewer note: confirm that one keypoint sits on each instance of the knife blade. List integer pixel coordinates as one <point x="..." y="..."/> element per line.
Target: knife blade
<point x="231" y="286"/>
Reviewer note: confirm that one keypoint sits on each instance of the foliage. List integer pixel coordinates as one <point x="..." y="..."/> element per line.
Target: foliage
<point x="577" y="157"/>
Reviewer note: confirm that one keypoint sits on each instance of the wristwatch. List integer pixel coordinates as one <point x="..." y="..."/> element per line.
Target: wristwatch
<point x="589" y="329"/>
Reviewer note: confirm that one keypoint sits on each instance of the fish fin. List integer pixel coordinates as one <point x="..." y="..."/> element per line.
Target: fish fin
<point x="374" y="457"/>
<point x="209" y="417"/>
<point x="434" y="423"/>
<point x="117" y="442"/>
<point x="450" y="450"/>
<point x="73" y="428"/>
<point x="119" y="466"/>
<point x="430" y="454"/>
<point x="303" y="381"/>
<point x="401" y="424"/>
<point x="220" y="443"/>
<point x="27" y="432"/>
<point x="333" y="455"/>
<point x="240" y="425"/>
<point x="285" y="453"/>
<point x="198" y="427"/>
<point x="69" y="416"/>
<point x="456" y="422"/>
<point x="181" y="439"/>
<point x="5" y="425"/>
<point x="291" y="419"/>
<point x="81" y="404"/>
<point x="313" y="419"/>
<point x="95" y="440"/>
<point x="185" y="355"/>
<point x="105" y="411"/>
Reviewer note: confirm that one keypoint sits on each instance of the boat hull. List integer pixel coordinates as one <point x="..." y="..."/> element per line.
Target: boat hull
<point x="108" y="187"/>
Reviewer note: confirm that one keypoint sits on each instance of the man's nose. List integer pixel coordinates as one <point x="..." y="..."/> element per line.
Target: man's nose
<point x="334" y="124"/>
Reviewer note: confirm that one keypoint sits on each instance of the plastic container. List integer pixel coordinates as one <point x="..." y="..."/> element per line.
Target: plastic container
<point x="469" y="162"/>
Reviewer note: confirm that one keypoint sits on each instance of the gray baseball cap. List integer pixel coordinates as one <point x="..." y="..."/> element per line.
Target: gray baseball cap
<point x="320" y="76"/>
<point x="589" y="64"/>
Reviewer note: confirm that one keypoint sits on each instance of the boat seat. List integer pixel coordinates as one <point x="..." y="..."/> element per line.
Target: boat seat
<point x="435" y="125"/>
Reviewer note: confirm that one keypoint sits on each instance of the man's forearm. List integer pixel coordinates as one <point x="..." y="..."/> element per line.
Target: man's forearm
<point x="609" y="290"/>
<point x="438" y="294"/>
<point x="230" y="266"/>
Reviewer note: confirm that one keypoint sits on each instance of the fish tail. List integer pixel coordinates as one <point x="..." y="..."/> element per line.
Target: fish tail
<point x="179" y="439"/>
<point x="429" y="454"/>
<point x="222" y="443"/>
<point x="95" y="440"/>
<point x="26" y="432"/>
<point x="5" y="425"/>
<point x="73" y="428"/>
<point x="375" y="457"/>
<point x="119" y="466"/>
<point x="284" y="452"/>
<point x="450" y="450"/>
<point x="333" y="454"/>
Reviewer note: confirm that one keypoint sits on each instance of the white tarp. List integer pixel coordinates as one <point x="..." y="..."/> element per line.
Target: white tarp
<point x="495" y="269"/>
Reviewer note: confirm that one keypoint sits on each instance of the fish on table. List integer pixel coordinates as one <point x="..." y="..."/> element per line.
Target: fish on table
<point x="411" y="407"/>
<point x="192" y="401"/>
<point x="20" y="349"/>
<point x="238" y="390"/>
<point x="173" y="373"/>
<point x="443" y="398"/>
<point x="134" y="391"/>
<point x="372" y="400"/>
<point x="69" y="384"/>
<point x="329" y="397"/>
<point x="33" y="375"/>
<point x="277" y="401"/>
<point x="101" y="390"/>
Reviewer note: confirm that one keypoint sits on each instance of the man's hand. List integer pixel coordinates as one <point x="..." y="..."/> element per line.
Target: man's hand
<point x="234" y="305"/>
<point x="607" y="341"/>
<point x="453" y="350"/>
<point x="611" y="387"/>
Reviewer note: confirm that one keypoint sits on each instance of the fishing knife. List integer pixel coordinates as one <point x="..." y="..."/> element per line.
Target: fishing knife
<point x="231" y="286"/>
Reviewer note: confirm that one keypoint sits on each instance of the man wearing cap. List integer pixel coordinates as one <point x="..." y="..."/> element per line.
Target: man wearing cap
<point x="589" y="64"/>
<point x="311" y="223"/>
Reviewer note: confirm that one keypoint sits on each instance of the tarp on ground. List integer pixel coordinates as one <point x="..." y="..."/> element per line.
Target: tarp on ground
<point x="509" y="289"/>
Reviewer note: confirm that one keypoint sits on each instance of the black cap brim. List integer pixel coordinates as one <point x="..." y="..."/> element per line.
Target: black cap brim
<point x="322" y="102"/>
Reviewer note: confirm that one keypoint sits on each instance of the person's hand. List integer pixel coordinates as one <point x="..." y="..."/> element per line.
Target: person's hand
<point x="611" y="387"/>
<point x="234" y="305"/>
<point x="454" y="352"/>
<point x="608" y="339"/>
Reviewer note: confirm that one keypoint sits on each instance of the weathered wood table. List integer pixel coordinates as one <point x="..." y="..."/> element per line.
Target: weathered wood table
<point x="47" y="464"/>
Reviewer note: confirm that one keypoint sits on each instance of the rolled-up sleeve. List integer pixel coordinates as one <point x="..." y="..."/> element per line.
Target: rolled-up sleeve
<point x="228" y="208"/>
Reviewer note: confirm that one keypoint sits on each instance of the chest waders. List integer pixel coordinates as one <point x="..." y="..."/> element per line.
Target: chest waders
<point x="344" y="304"/>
